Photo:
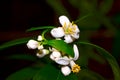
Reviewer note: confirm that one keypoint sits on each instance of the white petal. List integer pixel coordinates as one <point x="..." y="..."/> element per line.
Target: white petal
<point x="40" y="38"/>
<point x="63" y="61"/>
<point x="32" y="44"/>
<point x="54" y="55"/>
<point x="40" y="55"/>
<point x="72" y="63"/>
<point x="65" y="70"/>
<point x="77" y="29"/>
<point x="68" y="39"/>
<point x="57" y="32"/>
<point x="76" y="35"/>
<point x="76" y="52"/>
<point x="43" y="53"/>
<point x="40" y="47"/>
<point x="64" y="20"/>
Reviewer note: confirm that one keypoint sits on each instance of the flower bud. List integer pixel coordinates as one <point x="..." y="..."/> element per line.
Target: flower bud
<point x="65" y="70"/>
<point x="32" y="44"/>
<point x="54" y="55"/>
<point x="40" y="38"/>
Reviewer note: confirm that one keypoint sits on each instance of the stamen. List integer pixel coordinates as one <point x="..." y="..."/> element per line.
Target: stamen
<point x="76" y="68"/>
<point x="39" y="52"/>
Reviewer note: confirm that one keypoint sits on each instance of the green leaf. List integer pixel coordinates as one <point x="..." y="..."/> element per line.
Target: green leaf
<point x="61" y="46"/>
<point x="105" y="6"/>
<point x="22" y="57"/>
<point x="46" y="73"/>
<point x="86" y="74"/>
<point x="50" y="72"/>
<point x="58" y="7"/>
<point x="111" y="60"/>
<point x="14" y="42"/>
<point x="116" y="45"/>
<point x="88" y="21"/>
<point x="24" y="74"/>
<point x="39" y="28"/>
<point x="71" y="76"/>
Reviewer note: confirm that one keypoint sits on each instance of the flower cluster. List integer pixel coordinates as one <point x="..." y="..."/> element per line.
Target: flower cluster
<point x="70" y="32"/>
<point x="67" y="62"/>
<point x="33" y="44"/>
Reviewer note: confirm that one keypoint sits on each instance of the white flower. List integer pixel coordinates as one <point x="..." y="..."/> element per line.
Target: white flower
<point x="65" y="70"/>
<point x="69" y="30"/>
<point x="65" y="61"/>
<point x="32" y="44"/>
<point x="41" y="53"/>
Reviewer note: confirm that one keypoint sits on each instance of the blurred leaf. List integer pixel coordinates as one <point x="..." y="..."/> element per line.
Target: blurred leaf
<point x="39" y="28"/>
<point x="116" y="18"/>
<point x="111" y="60"/>
<point x="46" y="73"/>
<point x="24" y="74"/>
<point x="106" y="22"/>
<point x="72" y="76"/>
<point x="88" y="22"/>
<point x="96" y="57"/>
<point x="61" y="46"/>
<point x="49" y="72"/>
<point x="14" y="42"/>
<point x="116" y="45"/>
<point x="58" y="7"/>
<point x="85" y="74"/>
<point x="23" y="57"/>
<point x="75" y="3"/>
<point x="105" y="6"/>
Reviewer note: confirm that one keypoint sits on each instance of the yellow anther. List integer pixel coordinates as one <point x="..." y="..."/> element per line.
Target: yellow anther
<point x="76" y="68"/>
<point x="70" y="28"/>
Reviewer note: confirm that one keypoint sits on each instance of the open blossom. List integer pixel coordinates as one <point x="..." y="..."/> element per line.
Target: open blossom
<point x="69" y="30"/>
<point x="66" y="61"/>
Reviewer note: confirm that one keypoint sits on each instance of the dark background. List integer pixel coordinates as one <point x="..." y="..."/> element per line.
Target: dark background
<point x="19" y="15"/>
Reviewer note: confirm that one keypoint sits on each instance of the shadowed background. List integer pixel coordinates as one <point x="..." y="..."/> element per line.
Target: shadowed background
<point x="19" y="15"/>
